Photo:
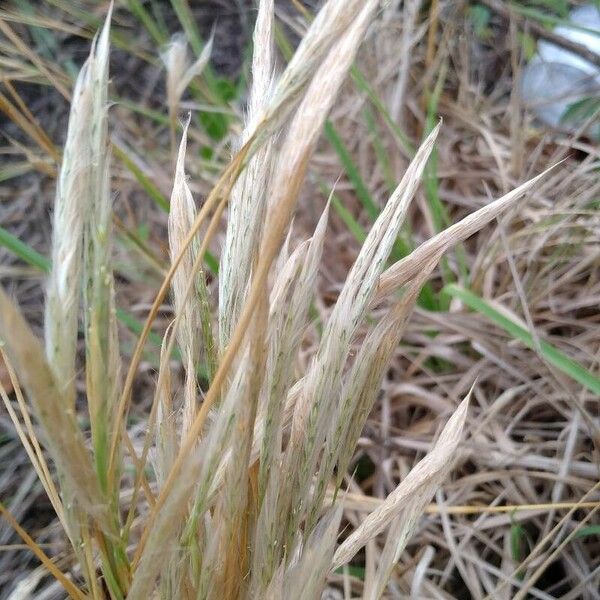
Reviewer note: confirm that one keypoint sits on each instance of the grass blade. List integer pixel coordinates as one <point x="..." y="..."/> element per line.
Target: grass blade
<point x="23" y="251"/>
<point x="554" y="356"/>
<point x="30" y="256"/>
<point x="352" y="171"/>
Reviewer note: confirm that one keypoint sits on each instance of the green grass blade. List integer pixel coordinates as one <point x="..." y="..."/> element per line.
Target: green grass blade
<point x="437" y="210"/>
<point x="139" y="11"/>
<point x="438" y="213"/>
<point x="23" y="251"/>
<point x="161" y="201"/>
<point x="401" y="248"/>
<point x="587" y="531"/>
<point x="363" y="85"/>
<point x="45" y="40"/>
<point x="351" y="170"/>
<point x="548" y="20"/>
<point x="154" y="115"/>
<point x="551" y="354"/>
<point x="427" y="297"/>
<point x="35" y="259"/>
<point x="380" y="151"/>
<point x="144" y="181"/>
<point x="347" y="217"/>
<point x="186" y="19"/>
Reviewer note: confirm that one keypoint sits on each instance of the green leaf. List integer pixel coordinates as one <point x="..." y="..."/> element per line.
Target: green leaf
<point x="353" y="571"/>
<point x="581" y="110"/>
<point x="363" y="85"/>
<point x="228" y="90"/>
<point x="528" y="44"/>
<point x="137" y="8"/>
<point x="517" y="539"/>
<point x="381" y="152"/>
<point x="480" y="19"/>
<point x="559" y="7"/>
<point x="548" y="20"/>
<point x="186" y="19"/>
<point x="347" y="217"/>
<point x="427" y="298"/>
<point x="551" y="354"/>
<point x="215" y="124"/>
<point x="401" y="248"/>
<point x="437" y="210"/>
<point x="161" y="201"/>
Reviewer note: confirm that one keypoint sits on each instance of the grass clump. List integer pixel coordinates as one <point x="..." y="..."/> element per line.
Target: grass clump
<point x="238" y="501"/>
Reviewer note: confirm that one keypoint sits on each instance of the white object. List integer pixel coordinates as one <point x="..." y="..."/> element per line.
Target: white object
<point x="556" y="78"/>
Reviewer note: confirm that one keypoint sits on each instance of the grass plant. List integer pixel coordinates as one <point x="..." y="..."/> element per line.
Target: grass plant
<point x="239" y="486"/>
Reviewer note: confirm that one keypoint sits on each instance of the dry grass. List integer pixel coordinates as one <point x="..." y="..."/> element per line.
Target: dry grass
<point x="370" y="385"/>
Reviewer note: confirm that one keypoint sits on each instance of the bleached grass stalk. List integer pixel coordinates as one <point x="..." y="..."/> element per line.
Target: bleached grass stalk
<point x="409" y="505"/>
<point x="27" y="436"/>
<point x="399" y="273"/>
<point x="289" y="311"/>
<point x="305" y="127"/>
<point x="328" y="25"/>
<point x="361" y="387"/>
<point x="241" y="508"/>
<point x="404" y="270"/>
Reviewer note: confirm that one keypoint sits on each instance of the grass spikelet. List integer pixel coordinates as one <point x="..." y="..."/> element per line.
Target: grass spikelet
<point x="248" y="202"/>
<point x="289" y="312"/>
<point x="167" y="438"/>
<point x="200" y="468"/>
<point x="180" y="73"/>
<point x="361" y="386"/>
<point x="331" y="23"/>
<point x="306" y="578"/>
<point x="181" y="217"/>
<point x="412" y="494"/>
<point x="79" y="181"/>
<point x="102" y="346"/>
<point x="400" y="272"/>
<point x="233" y="509"/>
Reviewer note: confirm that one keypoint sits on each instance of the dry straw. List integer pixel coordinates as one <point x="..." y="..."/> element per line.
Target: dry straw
<point x="239" y="506"/>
